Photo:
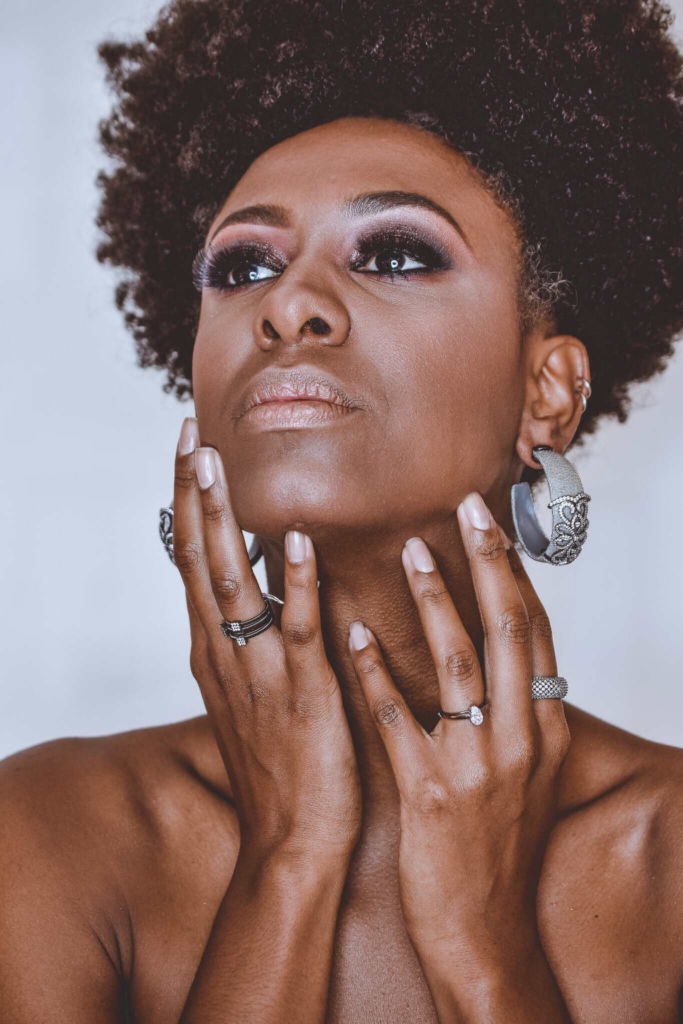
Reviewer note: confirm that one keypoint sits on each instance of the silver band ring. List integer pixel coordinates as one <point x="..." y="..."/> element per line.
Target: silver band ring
<point x="474" y="713"/>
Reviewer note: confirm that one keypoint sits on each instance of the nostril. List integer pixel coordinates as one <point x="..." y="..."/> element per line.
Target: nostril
<point x="318" y="325"/>
<point x="269" y="330"/>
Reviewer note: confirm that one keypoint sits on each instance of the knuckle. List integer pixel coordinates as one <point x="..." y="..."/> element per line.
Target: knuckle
<point x="490" y="547"/>
<point x="214" y="511"/>
<point x="460" y="666"/>
<point x="370" y="663"/>
<point x="523" y="757"/>
<point x="188" y="556"/>
<point x="558" y="743"/>
<point x="227" y="587"/>
<point x="431" y="795"/>
<point x="184" y="477"/>
<point x="513" y="626"/>
<point x="299" y="633"/>
<point x="478" y="779"/>
<point x="388" y="712"/>
<point x="540" y="625"/>
<point x="433" y="593"/>
<point x="197" y="663"/>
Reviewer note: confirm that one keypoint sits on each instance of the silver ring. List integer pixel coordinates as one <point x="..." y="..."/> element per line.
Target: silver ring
<point x="543" y="687"/>
<point x="474" y="713"/>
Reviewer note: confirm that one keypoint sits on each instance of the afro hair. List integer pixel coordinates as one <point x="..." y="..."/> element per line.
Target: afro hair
<point x="571" y="112"/>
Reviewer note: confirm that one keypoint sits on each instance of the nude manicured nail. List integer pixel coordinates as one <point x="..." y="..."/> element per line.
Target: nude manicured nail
<point x="189" y="436"/>
<point x="477" y="512"/>
<point x="295" y="544"/>
<point x="419" y="555"/>
<point x="358" y="636"/>
<point x="205" y="467"/>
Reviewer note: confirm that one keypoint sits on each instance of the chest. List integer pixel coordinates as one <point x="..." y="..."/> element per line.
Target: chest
<point x="597" y="927"/>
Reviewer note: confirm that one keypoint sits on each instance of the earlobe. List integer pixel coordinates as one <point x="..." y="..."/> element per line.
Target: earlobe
<point x="558" y="387"/>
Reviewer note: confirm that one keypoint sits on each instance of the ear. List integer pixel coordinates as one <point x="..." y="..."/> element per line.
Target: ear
<point x="557" y="366"/>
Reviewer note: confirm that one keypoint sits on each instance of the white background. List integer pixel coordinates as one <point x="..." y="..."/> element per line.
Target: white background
<point x="94" y="637"/>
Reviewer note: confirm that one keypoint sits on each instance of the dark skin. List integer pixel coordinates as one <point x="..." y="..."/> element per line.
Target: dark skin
<point x="320" y="822"/>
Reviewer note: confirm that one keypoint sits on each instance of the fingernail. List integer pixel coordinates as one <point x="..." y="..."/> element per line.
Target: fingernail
<point x="205" y="467"/>
<point x="295" y="544"/>
<point x="476" y="511"/>
<point x="189" y="436"/>
<point x="419" y="555"/>
<point x="358" y="636"/>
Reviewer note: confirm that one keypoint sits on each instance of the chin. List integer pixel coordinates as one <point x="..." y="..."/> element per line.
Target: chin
<point x="271" y="501"/>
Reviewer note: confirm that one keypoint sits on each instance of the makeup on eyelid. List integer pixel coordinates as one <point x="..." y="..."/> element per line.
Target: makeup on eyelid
<point x="213" y="266"/>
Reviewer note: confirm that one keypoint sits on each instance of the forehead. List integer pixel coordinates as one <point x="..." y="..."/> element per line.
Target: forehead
<point x="315" y="171"/>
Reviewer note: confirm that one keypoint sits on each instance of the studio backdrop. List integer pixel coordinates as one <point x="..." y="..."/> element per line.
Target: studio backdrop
<point x="93" y="625"/>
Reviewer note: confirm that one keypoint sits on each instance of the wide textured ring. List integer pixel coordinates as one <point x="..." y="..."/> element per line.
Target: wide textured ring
<point x="543" y="687"/>
<point x="242" y="630"/>
<point x="474" y="713"/>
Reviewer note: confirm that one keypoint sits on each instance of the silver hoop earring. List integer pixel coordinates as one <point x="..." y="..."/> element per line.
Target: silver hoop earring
<point x="166" y="534"/>
<point x="569" y="506"/>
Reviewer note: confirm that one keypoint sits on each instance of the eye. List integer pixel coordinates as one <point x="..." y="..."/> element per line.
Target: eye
<point x="227" y="269"/>
<point x="398" y="254"/>
<point x="392" y="261"/>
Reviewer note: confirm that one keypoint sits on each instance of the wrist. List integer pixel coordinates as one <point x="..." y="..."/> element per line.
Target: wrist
<point x="280" y="865"/>
<point x="487" y="981"/>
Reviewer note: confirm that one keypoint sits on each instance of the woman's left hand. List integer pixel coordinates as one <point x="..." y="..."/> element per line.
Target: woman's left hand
<point x="477" y="802"/>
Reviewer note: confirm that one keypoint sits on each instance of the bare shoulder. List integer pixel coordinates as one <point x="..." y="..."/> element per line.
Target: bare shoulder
<point x="86" y="824"/>
<point x="612" y="886"/>
<point x="91" y="798"/>
<point x="619" y="784"/>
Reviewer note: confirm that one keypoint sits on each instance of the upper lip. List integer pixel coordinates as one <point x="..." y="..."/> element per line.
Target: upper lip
<point x="295" y="384"/>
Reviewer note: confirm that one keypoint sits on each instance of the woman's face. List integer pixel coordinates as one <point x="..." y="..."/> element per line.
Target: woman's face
<point x="366" y="254"/>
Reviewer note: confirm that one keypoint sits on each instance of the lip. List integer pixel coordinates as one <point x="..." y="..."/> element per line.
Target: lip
<point x="295" y="398"/>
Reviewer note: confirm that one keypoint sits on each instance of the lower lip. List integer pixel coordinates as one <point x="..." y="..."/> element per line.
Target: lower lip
<point x="295" y="413"/>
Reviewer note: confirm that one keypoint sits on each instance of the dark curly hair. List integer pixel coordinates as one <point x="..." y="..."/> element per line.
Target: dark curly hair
<point x="570" y="110"/>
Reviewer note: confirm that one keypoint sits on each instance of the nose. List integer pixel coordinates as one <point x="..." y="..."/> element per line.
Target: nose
<point x="294" y="312"/>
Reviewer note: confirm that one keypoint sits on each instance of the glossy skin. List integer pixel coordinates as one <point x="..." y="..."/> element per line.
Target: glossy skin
<point x="123" y="848"/>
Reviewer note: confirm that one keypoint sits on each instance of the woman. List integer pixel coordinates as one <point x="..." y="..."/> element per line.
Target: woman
<point x="429" y="243"/>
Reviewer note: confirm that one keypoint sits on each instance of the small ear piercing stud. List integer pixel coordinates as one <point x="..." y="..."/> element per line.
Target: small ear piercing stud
<point x="585" y="391"/>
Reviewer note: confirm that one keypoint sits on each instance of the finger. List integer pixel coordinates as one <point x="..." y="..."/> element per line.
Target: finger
<point x="504" y="616"/>
<point x="549" y="712"/>
<point x="543" y="661"/>
<point x="400" y="732"/>
<point x="189" y="552"/>
<point x="300" y="621"/>
<point x="461" y="683"/>
<point x="235" y="588"/>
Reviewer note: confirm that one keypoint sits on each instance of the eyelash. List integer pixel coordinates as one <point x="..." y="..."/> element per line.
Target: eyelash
<point x="212" y="266"/>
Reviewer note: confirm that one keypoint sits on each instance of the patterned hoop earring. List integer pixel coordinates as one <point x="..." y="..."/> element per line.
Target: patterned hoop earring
<point x="166" y="534"/>
<point x="569" y="505"/>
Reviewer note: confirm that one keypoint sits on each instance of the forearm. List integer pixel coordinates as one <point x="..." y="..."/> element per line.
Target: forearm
<point x="516" y="987"/>
<point x="269" y="954"/>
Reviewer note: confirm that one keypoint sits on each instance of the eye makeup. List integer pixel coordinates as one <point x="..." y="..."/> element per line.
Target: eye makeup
<point x="231" y="267"/>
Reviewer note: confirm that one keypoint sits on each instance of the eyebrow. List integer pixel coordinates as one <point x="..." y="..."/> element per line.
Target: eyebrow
<point x="363" y="205"/>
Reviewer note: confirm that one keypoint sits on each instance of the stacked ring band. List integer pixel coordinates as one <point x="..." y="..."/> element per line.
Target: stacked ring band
<point x="242" y="629"/>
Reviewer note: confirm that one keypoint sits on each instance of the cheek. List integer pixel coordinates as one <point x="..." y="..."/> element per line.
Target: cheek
<point x="215" y="362"/>
<point x="457" y="380"/>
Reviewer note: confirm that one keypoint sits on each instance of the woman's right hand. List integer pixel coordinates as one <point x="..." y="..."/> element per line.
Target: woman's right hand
<point x="274" y="704"/>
